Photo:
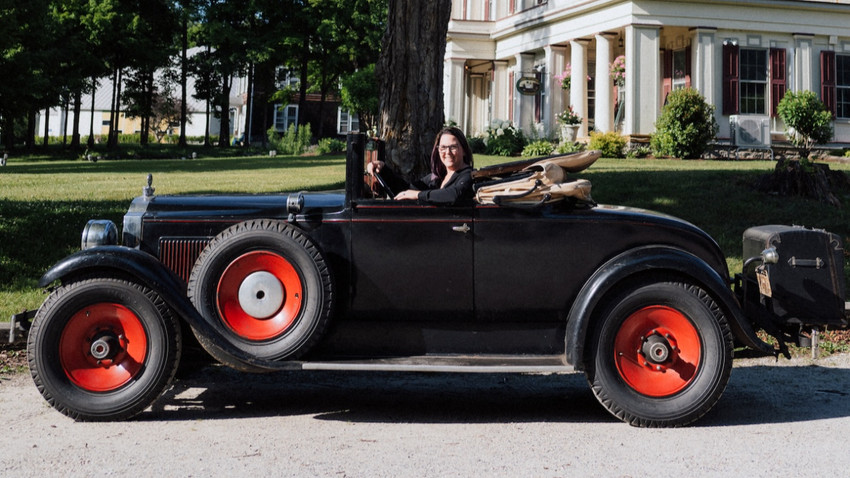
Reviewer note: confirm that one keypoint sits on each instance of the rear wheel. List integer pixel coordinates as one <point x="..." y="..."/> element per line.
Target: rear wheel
<point x="266" y="287"/>
<point x="662" y="355"/>
<point x="103" y="349"/>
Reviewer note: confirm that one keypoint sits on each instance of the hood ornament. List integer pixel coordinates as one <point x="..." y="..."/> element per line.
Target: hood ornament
<point x="148" y="190"/>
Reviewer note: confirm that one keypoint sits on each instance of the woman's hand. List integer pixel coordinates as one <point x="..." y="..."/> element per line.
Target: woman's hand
<point x="374" y="167"/>
<point x="410" y="195"/>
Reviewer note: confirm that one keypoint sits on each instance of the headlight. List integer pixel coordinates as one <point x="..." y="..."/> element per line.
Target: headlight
<point x="99" y="232"/>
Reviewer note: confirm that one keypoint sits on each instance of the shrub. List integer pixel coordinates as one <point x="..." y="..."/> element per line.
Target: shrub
<point x="330" y="145"/>
<point x="611" y="143"/>
<point x="477" y="144"/>
<point x="638" y="152"/>
<point x="806" y="119"/>
<point x="570" y="147"/>
<point x="541" y="147"/>
<point x="686" y="125"/>
<point x="294" y="142"/>
<point x="504" y="139"/>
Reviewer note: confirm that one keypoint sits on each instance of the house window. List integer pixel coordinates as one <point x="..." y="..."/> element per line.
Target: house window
<point x="284" y="117"/>
<point x="680" y="67"/>
<point x="842" y="86"/>
<point x="347" y="122"/>
<point x="753" y="81"/>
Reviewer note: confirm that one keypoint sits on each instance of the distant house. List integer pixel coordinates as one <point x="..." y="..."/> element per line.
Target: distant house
<point x="282" y="117"/>
<point x="741" y="56"/>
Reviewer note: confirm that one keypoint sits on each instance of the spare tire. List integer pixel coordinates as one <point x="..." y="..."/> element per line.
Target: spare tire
<point x="266" y="288"/>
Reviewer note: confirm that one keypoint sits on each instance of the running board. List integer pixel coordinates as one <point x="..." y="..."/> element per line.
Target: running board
<point x="451" y="364"/>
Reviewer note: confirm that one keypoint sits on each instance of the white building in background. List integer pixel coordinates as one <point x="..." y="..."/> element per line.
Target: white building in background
<point x="741" y="56"/>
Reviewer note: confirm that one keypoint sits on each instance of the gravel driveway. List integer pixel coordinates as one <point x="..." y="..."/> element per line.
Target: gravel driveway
<point x="789" y="418"/>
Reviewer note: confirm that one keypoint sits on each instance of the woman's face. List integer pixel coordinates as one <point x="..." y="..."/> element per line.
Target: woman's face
<point x="451" y="153"/>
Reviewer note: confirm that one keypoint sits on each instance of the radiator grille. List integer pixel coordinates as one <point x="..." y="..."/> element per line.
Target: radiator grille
<point x="180" y="254"/>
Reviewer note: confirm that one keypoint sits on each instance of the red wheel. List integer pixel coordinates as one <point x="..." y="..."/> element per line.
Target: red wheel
<point x="657" y="351"/>
<point x="662" y="354"/>
<point x="103" y="347"/>
<point x="266" y="288"/>
<point x="259" y="295"/>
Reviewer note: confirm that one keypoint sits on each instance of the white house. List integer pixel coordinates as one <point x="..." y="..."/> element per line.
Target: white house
<point x="741" y="56"/>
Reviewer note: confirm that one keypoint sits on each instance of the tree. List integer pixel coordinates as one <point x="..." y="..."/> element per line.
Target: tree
<point x="686" y="125"/>
<point x="410" y="75"/>
<point x="360" y="95"/>
<point x="807" y="120"/>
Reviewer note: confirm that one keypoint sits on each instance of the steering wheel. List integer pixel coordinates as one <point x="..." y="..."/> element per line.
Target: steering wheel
<point x="389" y="192"/>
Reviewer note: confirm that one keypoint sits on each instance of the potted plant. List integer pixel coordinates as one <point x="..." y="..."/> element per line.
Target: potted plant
<point x="564" y="77"/>
<point x="570" y="122"/>
<point x="618" y="71"/>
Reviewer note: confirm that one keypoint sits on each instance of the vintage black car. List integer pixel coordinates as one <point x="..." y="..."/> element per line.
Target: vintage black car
<point x="641" y="302"/>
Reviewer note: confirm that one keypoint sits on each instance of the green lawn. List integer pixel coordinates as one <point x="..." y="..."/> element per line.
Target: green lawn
<point x="44" y="204"/>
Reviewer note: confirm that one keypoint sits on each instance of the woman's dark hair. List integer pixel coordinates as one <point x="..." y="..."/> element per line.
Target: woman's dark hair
<point x="437" y="167"/>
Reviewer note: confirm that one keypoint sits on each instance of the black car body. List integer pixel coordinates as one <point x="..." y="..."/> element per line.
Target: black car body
<point x="641" y="302"/>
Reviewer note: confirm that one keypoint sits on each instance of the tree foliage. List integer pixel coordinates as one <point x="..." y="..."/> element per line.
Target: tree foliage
<point x="53" y="52"/>
<point x="807" y="120"/>
<point x="686" y="125"/>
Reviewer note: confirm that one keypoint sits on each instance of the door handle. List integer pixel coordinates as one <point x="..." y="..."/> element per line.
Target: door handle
<point x="464" y="229"/>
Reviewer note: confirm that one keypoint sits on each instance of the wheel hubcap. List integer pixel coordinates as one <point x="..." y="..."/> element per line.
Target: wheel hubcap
<point x="102" y="347"/>
<point x="657" y="351"/>
<point x="259" y="295"/>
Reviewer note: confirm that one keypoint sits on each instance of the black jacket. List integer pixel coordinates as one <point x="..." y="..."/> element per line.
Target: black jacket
<point x="458" y="188"/>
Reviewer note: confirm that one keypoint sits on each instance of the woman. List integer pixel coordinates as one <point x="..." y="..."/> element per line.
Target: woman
<point x="451" y="172"/>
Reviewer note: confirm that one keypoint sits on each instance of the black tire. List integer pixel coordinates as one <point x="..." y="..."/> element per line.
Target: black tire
<point x="289" y="299"/>
<point x="661" y="355"/>
<point x="103" y="349"/>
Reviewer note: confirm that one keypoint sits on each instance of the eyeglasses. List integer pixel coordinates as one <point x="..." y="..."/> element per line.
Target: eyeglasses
<point x="453" y="148"/>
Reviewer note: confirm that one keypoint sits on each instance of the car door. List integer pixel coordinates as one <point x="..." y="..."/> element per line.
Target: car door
<point x="411" y="262"/>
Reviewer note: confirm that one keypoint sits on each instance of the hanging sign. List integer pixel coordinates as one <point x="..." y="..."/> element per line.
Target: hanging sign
<point x="528" y="85"/>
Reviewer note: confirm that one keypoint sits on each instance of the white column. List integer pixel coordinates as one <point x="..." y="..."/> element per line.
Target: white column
<point x="803" y="63"/>
<point x="500" y="92"/>
<point x="524" y="111"/>
<point x="455" y="96"/>
<point x="578" y="82"/>
<point x="604" y="114"/>
<point x="555" y="61"/>
<point x="643" y="79"/>
<point x="704" y="65"/>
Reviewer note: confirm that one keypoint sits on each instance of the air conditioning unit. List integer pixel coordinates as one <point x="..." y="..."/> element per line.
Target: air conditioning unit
<point x="750" y="131"/>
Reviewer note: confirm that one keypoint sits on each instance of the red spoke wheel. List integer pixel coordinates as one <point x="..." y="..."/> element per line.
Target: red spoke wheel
<point x="265" y="287"/>
<point x="103" y="349"/>
<point x="259" y="295"/>
<point x="662" y="355"/>
<point x="657" y="351"/>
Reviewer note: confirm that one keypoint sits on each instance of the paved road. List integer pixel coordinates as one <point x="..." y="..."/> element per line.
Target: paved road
<point x="785" y="419"/>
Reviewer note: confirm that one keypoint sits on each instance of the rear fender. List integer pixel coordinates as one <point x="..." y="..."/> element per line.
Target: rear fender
<point x="648" y="259"/>
<point x="148" y="271"/>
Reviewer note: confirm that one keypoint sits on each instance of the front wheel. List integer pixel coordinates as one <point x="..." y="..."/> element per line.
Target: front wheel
<point x="662" y="355"/>
<point x="103" y="349"/>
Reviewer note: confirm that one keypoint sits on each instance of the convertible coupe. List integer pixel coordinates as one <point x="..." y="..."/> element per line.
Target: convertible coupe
<point x="541" y="280"/>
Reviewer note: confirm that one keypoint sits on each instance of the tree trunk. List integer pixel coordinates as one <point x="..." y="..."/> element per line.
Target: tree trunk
<point x="224" y="99"/>
<point x="46" y="140"/>
<point x="410" y="75"/>
<point x="184" y="74"/>
<point x="90" y="142"/>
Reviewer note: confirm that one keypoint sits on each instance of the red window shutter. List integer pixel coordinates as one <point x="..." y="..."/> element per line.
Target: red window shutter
<point x="778" y="78"/>
<point x="730" y="79"/>
<point x="688" y="67"/>
<point x="666" y="74"/>
<point x="827" y="79"/>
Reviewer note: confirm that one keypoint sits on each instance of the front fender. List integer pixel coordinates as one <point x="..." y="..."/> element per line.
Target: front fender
<point x="652" y="259"/>
<point x="148" y="271"/>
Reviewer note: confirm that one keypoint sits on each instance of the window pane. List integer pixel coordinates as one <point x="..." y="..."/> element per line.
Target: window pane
<point x="752" y="98"/>
<point x="842" y="70"/>
<point x="842" y="102"/>
<point x="753" y="65"/>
